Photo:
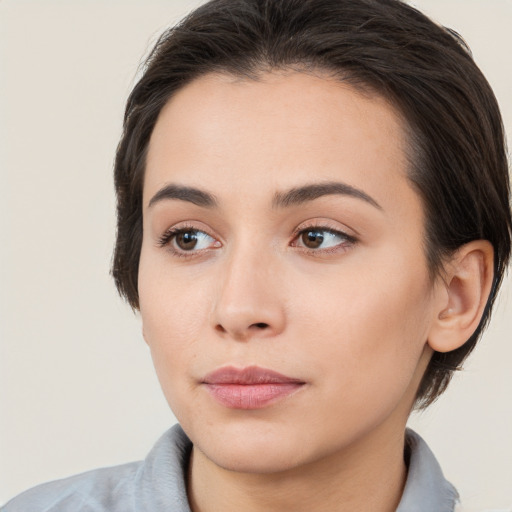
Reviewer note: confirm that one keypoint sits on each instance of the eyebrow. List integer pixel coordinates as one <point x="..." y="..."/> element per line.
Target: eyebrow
<point x="300" y="195"/>
<point x="294" y="197"/>
<point x="181" y="193"/>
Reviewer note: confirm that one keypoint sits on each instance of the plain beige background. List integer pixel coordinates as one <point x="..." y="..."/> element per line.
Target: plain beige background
<point x="77" y="388"/>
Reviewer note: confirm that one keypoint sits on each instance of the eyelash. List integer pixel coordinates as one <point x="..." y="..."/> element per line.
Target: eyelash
<point x="348" y="240"/>
<point x="169" y="236"/>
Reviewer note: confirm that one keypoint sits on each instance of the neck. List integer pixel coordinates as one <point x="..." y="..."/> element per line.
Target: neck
<point x="369" y="475"/>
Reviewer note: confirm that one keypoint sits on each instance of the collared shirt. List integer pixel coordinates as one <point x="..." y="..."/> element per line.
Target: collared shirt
<point x="158" y="484"/>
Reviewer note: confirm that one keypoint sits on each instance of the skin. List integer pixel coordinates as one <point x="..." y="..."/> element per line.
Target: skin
<point x="350" y="318"/>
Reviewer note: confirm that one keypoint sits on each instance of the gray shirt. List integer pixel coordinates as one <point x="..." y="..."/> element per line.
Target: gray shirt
<point x="157" y="484"/>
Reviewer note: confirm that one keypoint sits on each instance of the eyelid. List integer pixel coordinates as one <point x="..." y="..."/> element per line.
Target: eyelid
<point x="165" y="240"/>
<point x="167" y="237"/>
<point x="328" y="226"/>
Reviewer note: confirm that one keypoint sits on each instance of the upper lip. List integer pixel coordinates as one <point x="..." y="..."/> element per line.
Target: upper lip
<point x="247" y="375"/>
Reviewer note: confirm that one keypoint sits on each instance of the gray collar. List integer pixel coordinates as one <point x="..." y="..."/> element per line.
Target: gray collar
<point x="161" y="480"/>
<point x="426" y="489"/>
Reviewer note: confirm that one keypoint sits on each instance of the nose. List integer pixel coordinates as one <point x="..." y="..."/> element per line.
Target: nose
<point x="250" y="302"/>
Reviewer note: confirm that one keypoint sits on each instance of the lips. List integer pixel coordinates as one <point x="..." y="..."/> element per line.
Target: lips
<point x="249" y="388"/>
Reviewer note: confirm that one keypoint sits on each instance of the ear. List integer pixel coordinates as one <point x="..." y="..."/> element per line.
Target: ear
<point x="465" y="288"/>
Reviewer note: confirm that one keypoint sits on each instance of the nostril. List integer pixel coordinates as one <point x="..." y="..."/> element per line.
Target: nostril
<point x="261" y="325"/>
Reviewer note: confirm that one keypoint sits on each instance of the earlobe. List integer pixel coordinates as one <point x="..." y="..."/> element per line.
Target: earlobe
<point x="467" y="284"/>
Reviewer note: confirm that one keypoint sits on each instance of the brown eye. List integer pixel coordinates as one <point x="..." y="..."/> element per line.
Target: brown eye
<point x="320" y="239"/>
<point x="186" y="240"/>
<point x="312" y="239"/>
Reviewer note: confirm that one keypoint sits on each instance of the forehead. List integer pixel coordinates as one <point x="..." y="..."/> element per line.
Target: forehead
<point x="281" y="129"/>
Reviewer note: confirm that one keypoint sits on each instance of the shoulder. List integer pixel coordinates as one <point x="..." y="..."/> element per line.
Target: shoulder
<point x="157" y="483"/>
<point x="101" y="490"/>
<point x="426" y="488"/>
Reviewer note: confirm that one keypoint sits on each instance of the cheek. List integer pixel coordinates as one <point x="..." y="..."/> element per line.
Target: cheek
<point x="367" y="326"/>
<point x="174" y="314"/>
<point x="172" y="301"/>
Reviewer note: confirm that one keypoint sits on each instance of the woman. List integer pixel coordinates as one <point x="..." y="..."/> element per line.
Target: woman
<point x="314" y="221"/>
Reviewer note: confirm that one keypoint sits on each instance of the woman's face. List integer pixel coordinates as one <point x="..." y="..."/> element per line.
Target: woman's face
<point x="281" y="235"/>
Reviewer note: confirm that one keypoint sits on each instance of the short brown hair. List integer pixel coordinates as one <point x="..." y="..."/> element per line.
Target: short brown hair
<point x="458" y="156"/>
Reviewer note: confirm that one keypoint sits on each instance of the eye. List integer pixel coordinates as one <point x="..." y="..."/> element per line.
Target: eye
<point x="320" y="238"/>
<point x="182" y="240"/>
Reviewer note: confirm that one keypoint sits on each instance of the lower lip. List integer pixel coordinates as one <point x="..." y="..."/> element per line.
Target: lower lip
<point x="251" y="396"/>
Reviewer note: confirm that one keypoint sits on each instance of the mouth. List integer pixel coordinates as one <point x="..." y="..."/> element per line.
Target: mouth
<point x="249" y="388"/>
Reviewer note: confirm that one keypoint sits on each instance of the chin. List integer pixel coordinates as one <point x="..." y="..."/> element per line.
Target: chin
<point x="258" y="449"/>
<point x="253" y="459"/>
